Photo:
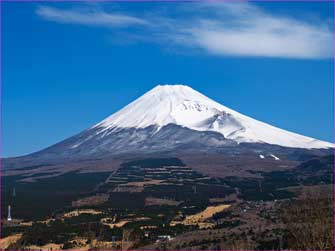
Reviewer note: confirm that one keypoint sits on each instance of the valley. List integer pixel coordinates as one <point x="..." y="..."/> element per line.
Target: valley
<point x="156" y="203"/>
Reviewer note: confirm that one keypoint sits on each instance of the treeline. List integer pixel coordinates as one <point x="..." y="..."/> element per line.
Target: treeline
<point x="309" y="221"/>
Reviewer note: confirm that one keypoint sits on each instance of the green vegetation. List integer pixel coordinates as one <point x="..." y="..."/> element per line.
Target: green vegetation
<point x="36" y="200"/>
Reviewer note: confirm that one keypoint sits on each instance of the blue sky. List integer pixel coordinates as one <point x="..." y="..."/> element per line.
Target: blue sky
<point x="67" y="66"/>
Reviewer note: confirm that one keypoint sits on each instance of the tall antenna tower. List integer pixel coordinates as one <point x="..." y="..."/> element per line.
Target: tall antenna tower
<point x="9" y="218"/>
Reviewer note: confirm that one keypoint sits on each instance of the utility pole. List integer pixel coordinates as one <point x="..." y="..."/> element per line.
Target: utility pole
<point x="260" y="185"/>
<point x="194" y="189"/>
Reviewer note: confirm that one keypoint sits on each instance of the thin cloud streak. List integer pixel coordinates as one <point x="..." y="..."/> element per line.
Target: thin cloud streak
<point x="222" y="29"/>
<point x="89" y="18"/>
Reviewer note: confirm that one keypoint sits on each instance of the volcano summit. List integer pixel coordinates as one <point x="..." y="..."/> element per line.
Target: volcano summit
<point x="181" y="105"/>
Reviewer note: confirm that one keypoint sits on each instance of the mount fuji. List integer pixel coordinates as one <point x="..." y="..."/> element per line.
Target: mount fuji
<point x="185" y="107"/>
<point x="176" y="119"/>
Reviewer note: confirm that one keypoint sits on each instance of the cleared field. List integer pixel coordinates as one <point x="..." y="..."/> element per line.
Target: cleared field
<point x="5" y="242"/>
<point x="112" y="225"/>
<point x="50" y="246"/>
<point x="204" y="215"/>
<point x="79" y="212"/>
<point x="151" y="201"/>
<point x="142" y="183"/>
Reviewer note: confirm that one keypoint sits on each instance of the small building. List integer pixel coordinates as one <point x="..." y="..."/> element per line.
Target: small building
<point x="163" y="238"/>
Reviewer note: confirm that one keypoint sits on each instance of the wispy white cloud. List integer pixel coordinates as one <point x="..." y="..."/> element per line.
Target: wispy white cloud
<point x="234" y="29"/>
<point x="90" y="17"/>
<point x="249" y="31"/>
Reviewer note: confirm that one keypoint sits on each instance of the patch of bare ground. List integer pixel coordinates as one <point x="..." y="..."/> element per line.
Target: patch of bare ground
<point x="205" y="214"/>
<point x="116" y="245"/>
<point x="151" y="201"/>
<point x="78" y="212"/>
<point x="9" y="240"/>
<point x="81" y="243"/>
<point x="112" y="225"/>
<point x="49" y="246"/>
<point x="129" y="189"/>
<point x="111" y="221"/>
<point x="47" y="221"/>
<point x="91" y="200"/>
<point x="143" y="183"/>
<point x="135" y="187"/>
<point x="200" y="219"/>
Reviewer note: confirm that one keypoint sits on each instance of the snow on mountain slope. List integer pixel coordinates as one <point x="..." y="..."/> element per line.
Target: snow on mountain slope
<point x="183" y="106"/>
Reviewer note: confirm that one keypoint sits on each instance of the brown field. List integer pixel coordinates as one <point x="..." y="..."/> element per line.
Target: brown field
<point x="199" y="219"/>
<point x="49" y="246"/>
<point x="5" y="242"/>
<point x="151" y="201"/>
<point x="204" y="215"/>
<point x="130" y="189"/>
<point x="111" y="221"/>
<point x="91" y="200"/>
<point x="142" y="183"/>
<point x="75" y="213"/>
<point x="112" y="225"/>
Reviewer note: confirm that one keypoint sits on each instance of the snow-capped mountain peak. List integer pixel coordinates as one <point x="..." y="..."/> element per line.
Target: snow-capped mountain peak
<point x="183" y="106"/>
